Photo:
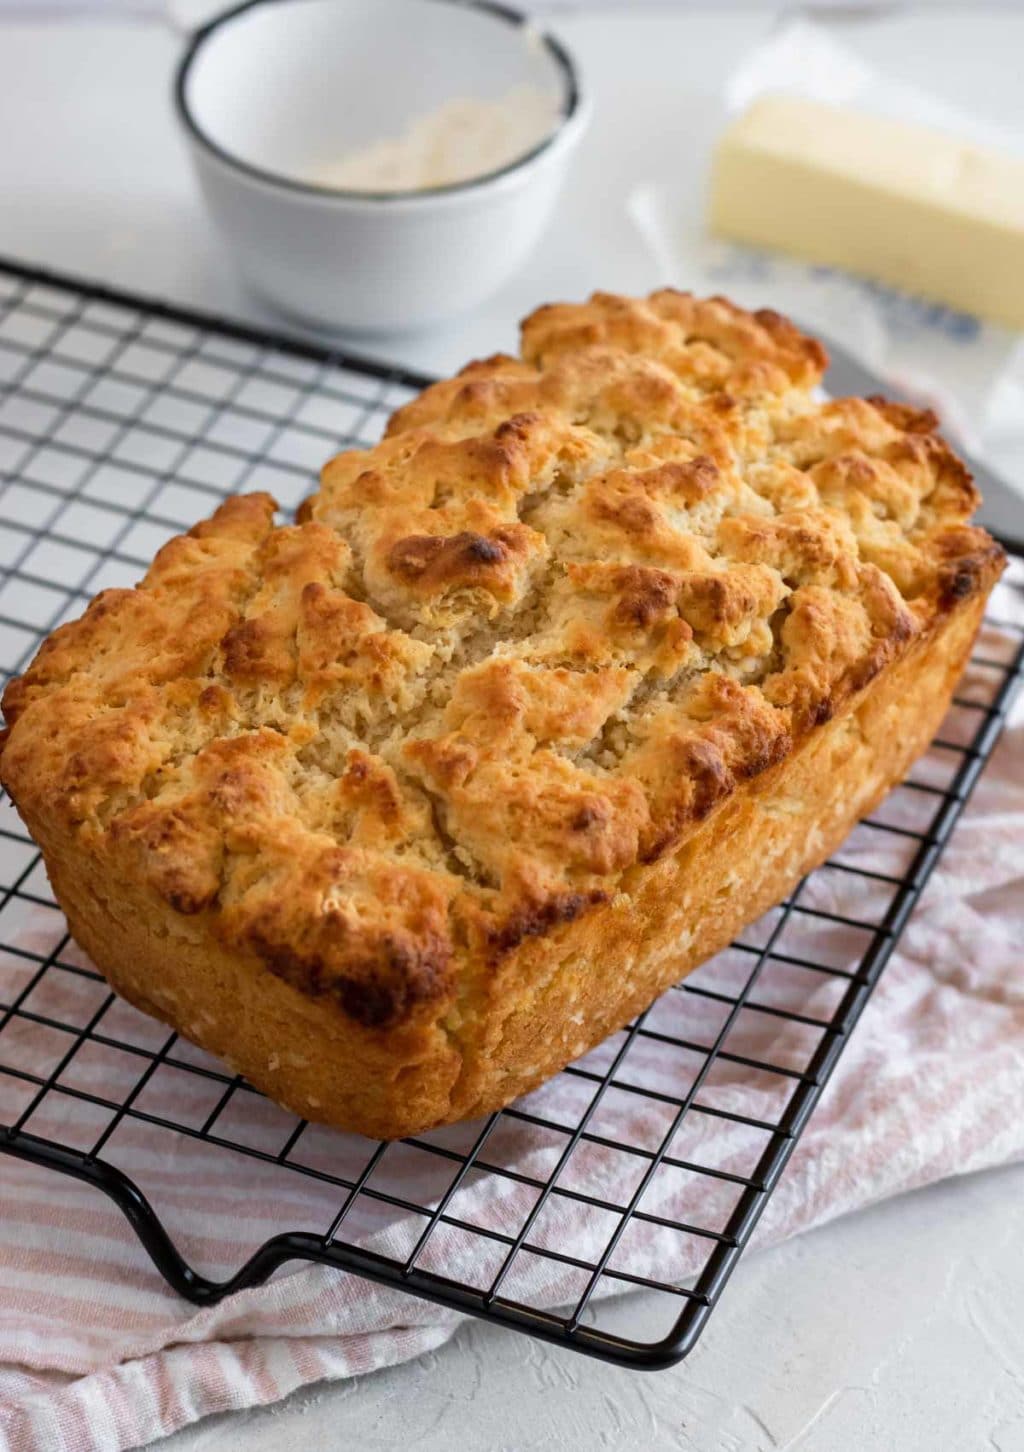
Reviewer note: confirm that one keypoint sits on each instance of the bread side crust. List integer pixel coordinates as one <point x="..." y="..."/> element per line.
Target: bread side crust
<point x="533" y="1009"/>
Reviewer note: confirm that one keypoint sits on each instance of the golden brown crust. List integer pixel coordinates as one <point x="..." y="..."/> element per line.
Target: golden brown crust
<point x="531" y="644"/>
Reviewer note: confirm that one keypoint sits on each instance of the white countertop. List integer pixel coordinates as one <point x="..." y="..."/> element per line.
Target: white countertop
<point x="895" y="1330"/>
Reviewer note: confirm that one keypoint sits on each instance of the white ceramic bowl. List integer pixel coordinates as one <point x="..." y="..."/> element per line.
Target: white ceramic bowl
<point x="271" y="88"/>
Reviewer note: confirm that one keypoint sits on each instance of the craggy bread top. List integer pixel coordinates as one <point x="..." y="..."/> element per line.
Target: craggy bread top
<point x="524" y="644"/>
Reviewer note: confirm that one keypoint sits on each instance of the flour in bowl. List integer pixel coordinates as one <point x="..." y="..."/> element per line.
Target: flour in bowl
<point x="462" y="139"/>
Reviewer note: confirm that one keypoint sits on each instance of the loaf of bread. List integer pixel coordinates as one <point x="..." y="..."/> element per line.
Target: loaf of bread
<point x="400" y="808"/>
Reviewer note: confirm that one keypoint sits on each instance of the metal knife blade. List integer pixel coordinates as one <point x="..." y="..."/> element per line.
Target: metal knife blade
<point x="1002" y="508"/>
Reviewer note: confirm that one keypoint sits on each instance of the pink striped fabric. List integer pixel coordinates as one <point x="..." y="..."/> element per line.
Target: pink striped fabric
<point x="97" y="1354"/>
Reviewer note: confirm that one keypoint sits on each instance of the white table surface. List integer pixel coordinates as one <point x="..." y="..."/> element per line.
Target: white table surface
<point x="894" y="1330"/>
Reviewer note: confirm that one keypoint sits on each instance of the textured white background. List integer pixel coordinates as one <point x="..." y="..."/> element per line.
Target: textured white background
<point x="896" y="1330"/>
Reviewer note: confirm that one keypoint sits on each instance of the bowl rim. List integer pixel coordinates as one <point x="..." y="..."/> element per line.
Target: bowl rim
<point x="572" y="111"/>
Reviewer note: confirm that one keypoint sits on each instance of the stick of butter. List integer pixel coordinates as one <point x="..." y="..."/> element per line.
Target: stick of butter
<point x="902" y="203"/>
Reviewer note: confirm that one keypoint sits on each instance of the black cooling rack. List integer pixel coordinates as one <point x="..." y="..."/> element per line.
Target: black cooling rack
<point x="123" y="421"/>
